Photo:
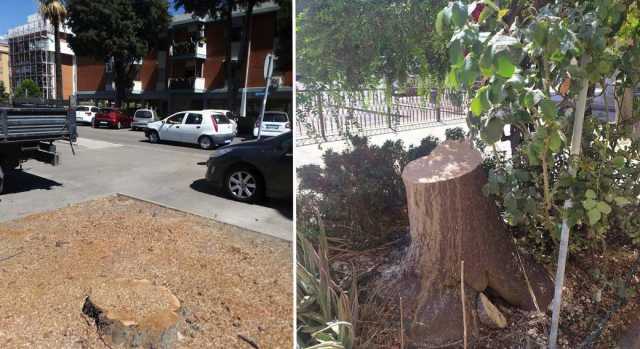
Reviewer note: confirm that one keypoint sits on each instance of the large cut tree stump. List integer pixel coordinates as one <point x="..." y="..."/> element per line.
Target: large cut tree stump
<point x="134" y="314"/>
<point x="452" y="220"/>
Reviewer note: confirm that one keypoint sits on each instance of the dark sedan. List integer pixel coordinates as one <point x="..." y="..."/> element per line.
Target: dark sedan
<point x="250" y="170"/>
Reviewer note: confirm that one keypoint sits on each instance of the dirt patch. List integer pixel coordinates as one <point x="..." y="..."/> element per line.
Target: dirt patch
<point x="234" y="283"/>
<point x="587" y="298"/>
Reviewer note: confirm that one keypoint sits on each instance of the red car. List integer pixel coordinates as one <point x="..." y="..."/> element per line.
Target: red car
<point x="111" y="117"/>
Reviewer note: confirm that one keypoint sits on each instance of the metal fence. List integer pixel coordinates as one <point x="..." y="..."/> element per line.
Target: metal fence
<point x="323" y="116"/>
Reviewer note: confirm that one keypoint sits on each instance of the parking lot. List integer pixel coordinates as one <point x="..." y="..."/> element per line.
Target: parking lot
<point x="109" y="161"/>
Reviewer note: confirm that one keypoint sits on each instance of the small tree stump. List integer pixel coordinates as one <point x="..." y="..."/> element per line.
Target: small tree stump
<point x="134" y="313"/>
<point x="452" y="220"/>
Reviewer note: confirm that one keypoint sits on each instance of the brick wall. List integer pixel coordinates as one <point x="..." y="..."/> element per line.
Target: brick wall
<point x="214" y="64"/>
<point x="149" y="71"/>
<point x="67" y="76"/>
<point x="91" y="74"/>
<point x="261" y="44"/>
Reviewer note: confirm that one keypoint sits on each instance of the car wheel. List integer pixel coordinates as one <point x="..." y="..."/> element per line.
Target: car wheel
<point x="205" y="142"/>
<point x="243" y="184"/>
<point x="153" y="137"/>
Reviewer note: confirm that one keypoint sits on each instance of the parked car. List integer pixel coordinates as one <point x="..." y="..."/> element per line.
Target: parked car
<point x="229" y="115"/>
<point x="142" y="117"/>
<point x="111" y="117"/>
<point x="251" y="170"/>
<point x="274" y="123"/>
<point x="207" y="128"/>
<point x="86" y="113"/>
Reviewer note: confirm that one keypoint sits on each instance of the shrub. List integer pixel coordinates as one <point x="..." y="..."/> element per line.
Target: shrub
<point x="358" y="194"/>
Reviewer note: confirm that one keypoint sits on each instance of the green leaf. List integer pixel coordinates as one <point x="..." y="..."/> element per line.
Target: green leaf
<point x="452" y="79"/>
<point x="589" y="204"/>
<point x="555" y="141"/>
<point x="485" y="64"/>
<point x="621" y="201"/>
<point x="604" y="207"/>
<point x="459" y="14"/>
<point x="590" y="194"/>
<point x="491" y="5"/>
<point x="442" y="20"/>
<point x="619" y="161"/>
<point x="594" y="216"/>
<point x="480" y="102"/>
<point x="533" y="154"/>
<point x="456" y="54"/>
<point x="548" y="108"/>
<point x="469" y="72"/>
<point x="504" y="67"/>
<point x="492" y="131"/>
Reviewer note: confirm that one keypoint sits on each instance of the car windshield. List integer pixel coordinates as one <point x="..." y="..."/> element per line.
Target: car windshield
<point x="143" y="114"/>
<point x="221" y="119"/>
<point x="275" y="117"/>
<point x="82" y="109"/>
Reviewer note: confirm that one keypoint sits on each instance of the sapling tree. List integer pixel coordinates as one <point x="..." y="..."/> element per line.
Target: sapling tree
<point x="537" y="69"/>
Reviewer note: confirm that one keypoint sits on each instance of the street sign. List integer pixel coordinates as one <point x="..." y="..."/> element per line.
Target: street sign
<point x="268" y="66"/>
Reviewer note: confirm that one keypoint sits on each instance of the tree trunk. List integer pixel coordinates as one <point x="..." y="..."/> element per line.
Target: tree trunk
<point x="228" y="34"/>
<point x="123" y="79"/>
<point x="451" y="220"/>
<point x="59" y="90"/>
<point x="246" y="34"/>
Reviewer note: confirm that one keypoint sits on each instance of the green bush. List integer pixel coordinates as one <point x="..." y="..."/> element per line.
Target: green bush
<point x="605" y="193"/>
<point x="28" y="88"/>
<point x="358" y="194"/>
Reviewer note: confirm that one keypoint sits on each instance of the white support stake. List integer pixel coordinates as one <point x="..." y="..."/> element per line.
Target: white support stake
<point x="576" y="142"/>
<point x="268" y="71"/>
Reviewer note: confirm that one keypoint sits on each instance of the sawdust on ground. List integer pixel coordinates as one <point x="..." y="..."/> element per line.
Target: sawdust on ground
<point x="236" y="284"/>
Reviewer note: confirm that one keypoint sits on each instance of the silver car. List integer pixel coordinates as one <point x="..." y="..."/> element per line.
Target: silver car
<point x="142" y="118"/>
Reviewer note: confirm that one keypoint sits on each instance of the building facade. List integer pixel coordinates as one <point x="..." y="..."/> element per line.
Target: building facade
<point x="187" y="71"/>
<point x="32" y="56"/>
<point x="4" y="66"/>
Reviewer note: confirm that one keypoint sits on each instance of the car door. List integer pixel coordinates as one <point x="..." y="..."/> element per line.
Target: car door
<point x="280" y="176"/>
<point x="170" y="129"/>
<point x="192" y="128"/>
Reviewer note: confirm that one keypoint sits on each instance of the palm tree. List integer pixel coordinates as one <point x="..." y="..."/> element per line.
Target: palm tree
<point x="55" y="12"/>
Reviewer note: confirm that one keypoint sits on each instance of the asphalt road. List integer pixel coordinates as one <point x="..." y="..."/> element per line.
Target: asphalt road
<point x="109" y="161"/>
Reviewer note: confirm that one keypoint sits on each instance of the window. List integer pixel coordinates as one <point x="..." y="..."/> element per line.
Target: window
<point x="175" y="119"/>
<point x="221" y="119"/>
<point x="94" y="109"/>
<point x="82" y="109"/>
<point x="194" y="119"/>
<point x="143" y="114"/>
<point x="275" y="117"/>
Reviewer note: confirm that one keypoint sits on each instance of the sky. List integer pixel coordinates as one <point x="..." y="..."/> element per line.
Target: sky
<point x="15" y="13"/>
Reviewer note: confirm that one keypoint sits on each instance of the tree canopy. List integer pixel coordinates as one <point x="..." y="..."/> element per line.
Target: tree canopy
<point x="28" y="88"/>
<point x="123" y="31"/>
<point x="361" y="43"/>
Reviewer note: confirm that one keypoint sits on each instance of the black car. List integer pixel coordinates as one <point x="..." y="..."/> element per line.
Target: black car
<point x="250" y="170"/>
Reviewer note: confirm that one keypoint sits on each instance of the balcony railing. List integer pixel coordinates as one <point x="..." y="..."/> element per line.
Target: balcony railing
<point x="189" y="49"/>
<point x="187" y="84"/>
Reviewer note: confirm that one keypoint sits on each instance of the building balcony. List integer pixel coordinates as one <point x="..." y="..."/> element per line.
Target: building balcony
<point x="191" y="84"/>
<point x="188" y="49"/>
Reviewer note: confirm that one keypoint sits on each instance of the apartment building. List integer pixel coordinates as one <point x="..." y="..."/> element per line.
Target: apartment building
<point x="4" y="65"/>
<point x="32" y="56"/>
<point x="187" y="71"/>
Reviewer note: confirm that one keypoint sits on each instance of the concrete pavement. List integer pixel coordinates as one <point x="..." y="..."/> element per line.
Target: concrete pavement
<point x="122" y="161"/>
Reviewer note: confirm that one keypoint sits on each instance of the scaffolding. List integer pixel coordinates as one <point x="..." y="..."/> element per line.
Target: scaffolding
<point x="32" y="55"/>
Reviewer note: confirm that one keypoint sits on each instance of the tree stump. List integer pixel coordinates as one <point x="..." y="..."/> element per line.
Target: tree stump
<point x="134" y="313"/>
<point x="452" y="220"/>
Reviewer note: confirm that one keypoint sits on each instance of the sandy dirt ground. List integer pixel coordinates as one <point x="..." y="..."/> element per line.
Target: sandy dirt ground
<point x="234" y="283"/>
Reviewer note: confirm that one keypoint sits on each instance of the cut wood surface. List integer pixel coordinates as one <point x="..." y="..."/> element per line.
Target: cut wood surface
<point x="451" y="220"/>
<point x="134" y="313"/>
